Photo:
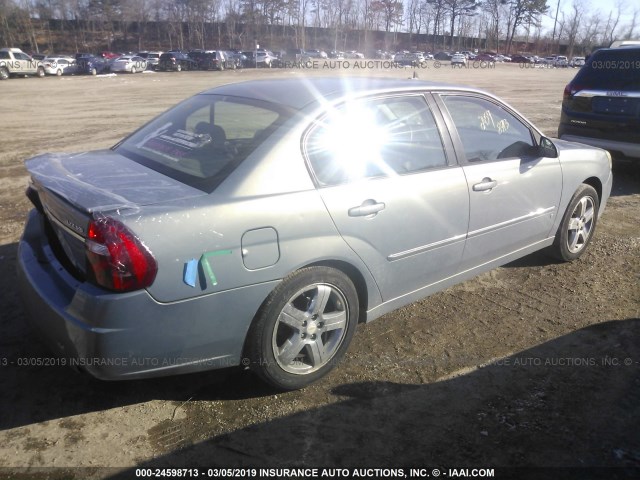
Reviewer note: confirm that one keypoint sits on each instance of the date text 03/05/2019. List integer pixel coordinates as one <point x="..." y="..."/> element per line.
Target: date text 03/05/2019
<point x="313" y="472"/>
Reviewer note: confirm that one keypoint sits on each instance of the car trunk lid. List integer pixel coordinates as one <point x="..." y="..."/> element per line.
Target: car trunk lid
<point x="71" y="190"/>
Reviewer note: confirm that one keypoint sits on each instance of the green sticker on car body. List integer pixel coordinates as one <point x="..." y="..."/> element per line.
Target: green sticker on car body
<point x="206" y="266"/>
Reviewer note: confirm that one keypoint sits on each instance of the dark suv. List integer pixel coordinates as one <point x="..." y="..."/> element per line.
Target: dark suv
<point x="176" y="61"/>
<point x="601" y="105"/>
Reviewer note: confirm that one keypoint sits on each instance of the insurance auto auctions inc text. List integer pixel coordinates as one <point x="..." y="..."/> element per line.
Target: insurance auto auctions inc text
<point x="374" y="472"/>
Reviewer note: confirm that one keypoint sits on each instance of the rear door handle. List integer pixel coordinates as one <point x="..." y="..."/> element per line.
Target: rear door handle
<point x="485" y="185"/>
<point x="367" y="208"/>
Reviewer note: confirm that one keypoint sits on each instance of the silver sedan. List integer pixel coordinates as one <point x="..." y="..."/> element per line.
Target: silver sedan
<point x="128" y="63"/>
<point x="257" y="223"/>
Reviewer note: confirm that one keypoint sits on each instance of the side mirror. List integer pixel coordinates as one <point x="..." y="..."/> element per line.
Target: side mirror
<point x="547" y="148"/>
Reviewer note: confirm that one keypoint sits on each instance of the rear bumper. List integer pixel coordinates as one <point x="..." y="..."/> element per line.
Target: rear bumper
<point x="628" y="149"/>
<point x="116" y="336"/>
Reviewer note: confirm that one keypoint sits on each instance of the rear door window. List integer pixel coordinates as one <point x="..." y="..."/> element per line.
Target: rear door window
<point x="203" y="139"/>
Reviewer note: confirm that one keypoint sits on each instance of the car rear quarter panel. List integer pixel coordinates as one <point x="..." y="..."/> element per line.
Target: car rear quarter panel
<point x="271" y="190"/>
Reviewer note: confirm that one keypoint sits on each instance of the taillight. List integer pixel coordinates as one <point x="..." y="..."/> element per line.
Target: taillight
<point x="570" y="90"/>
<point x="118" y="259"/>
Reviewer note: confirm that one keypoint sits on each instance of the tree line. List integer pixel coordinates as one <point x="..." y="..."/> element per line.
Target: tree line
<point x="505" y="26"/>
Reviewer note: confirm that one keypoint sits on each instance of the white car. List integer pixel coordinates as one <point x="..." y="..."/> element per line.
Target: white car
<point x="59" y="65"/>
<point x="129" y="63"/>
<point x="152" y="58"/>
<point x="577" y="62"/>
<point x="265" y="58"/>
<point x="561" y="61"/>
<point x="458" y="59"/>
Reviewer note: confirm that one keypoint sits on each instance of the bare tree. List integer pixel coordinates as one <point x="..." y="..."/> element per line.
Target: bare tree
<point x="390" y="10"/>
<point x="523" y="12"/>
<point x="573" y="25"/>
<point x="457" y="9"/>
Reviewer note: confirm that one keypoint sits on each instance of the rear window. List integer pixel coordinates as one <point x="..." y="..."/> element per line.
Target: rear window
<point x="617" y="69"/>
<point x="200" y="141"/>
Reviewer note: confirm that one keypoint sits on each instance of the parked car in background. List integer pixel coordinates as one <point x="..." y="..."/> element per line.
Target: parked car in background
<point x="442" y="56"/>
<point x="336" y="55"/>
<point x="266" y="59"/>
<point x="14" y="62"/>
<point x="353" y="54"/>
<point x="152" y="59"/>
<point x="57" y="65"/>
<point x="233" y="59"/>
<point x="521" y="59"/>
<point x="485" y="57"/>
<point x="561" y="62"/>
<point x="110" y="55"/>
<point x="250" y="58"/>
<point x="428" y="56"/>
<point x="502" y="58"/>
<point x="577" y="62"/>
<point x="210" y="59"/>
<point x="193" y="243"/>
<point x="91" y="65"/>
<point x="293" y="55"/>
<point x="383" y="55"/>
<point x="129" y="63"/>
<point x="315" y="53"/>
<point x="625" y="43"/>
<point x="176" y="61"/>
<point x="458" y="60"/>
<point x="601" y="105"/>
<point x="409" y="58"/>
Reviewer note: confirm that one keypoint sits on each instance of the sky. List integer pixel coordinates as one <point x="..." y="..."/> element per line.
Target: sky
<point x="591" y="6"/>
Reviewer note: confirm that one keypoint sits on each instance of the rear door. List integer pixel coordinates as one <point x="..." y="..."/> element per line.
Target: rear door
<point x="383" y="174"/>
<point x="514" y="193"/>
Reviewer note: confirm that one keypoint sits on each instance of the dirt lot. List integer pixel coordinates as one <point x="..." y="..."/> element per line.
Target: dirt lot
<point x="532" y="364"/>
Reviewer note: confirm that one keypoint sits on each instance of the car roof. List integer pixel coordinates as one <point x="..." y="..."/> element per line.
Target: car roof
<point x="298" y="93"/>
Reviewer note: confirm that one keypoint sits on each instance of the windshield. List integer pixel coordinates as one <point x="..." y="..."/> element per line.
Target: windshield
<point x="200" y="141"/>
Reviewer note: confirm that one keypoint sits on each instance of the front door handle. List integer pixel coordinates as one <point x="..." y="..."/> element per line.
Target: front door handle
<point x="367" y="208"/>
<point x="485" y="185"/>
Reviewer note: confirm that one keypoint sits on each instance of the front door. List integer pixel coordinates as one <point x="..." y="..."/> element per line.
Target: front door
<point x="384" y="177"/>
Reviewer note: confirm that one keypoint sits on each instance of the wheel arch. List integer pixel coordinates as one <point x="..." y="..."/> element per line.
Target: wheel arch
<point x="352" y="272"/>
<point x="597" y="186"/>
<point x="356" y="277"/>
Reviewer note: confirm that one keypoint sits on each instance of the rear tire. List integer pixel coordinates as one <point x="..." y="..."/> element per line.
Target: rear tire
<point x="178" y="68"/>
<point x="303" y="328"/>
<point x="4" y="73"/>
<point x="40" y="73"/>
<point x="578" y="225"/>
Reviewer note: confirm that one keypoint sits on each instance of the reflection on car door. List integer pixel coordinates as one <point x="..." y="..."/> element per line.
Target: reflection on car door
<point x="394" y="198"/>
<point x="514" y="193"/>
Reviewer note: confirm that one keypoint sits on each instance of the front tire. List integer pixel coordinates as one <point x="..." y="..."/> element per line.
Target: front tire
<point x="578" y="225"/>
<point x="4" y="73"/>
<point x="303" y="328"/>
